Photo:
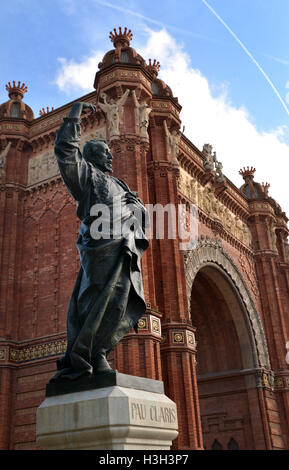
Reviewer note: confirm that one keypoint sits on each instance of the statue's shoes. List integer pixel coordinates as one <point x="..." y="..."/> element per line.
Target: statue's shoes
<point x="101" y="365"/>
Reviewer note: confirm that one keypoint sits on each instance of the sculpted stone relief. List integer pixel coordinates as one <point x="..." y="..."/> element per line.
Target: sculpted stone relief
<point x="114" y="111"/>
<point x="203" y="197"/>
<point x="4" y="154"/>
<point x="99" y="133"/>
<point x="173" y="140"/>
<point x="143" y="110"/>
<point x="272" y="234"/>
<point x="44" y="166"/>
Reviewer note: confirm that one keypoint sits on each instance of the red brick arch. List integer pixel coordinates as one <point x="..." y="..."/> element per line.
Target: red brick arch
<point x="210" y="252"/>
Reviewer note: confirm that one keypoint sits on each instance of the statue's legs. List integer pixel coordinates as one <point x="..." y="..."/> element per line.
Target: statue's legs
<point x="102" y="316"/>
<point x="98" y="318"/>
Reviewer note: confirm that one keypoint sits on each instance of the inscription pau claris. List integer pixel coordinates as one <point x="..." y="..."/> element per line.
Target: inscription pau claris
<point x="153" y="413"/>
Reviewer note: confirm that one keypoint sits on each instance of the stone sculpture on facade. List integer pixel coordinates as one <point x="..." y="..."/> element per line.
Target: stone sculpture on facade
<point x="209" y="157"/>
<point x="273" y="236"/>
<point x="212" y="164"/>
<point x="108" y="299"/>
<point x="173" y="139"/>
<point x="208" y="195"/>
<point x="114" y="112"/>
<point x="4" y="154"/>
<point x="220" y="178"/>
<point x="247" y="235"/>
<point x="143" y="110"/>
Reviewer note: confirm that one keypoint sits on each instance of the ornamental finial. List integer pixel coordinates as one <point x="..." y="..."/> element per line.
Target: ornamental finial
<point x="247" y="173"/>
<point x="154" y="67"/>
<point x="14" y="89"/>
<point x="121" y="38"/>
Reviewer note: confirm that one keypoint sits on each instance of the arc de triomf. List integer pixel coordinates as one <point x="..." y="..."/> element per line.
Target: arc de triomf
<point x="216" y="326"/>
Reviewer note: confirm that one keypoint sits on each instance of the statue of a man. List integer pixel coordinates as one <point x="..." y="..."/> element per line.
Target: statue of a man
<point x="143" y="111"/>
<point x="173" y="139"/>
<point x="114" y="111"/>
<point x="107" y="300"/>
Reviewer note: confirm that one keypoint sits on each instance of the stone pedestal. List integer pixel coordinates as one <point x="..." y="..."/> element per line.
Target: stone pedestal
<point x="112" y="412"/>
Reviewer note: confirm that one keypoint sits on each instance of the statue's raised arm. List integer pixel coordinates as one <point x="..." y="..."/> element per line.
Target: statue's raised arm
<point x="136" y="103"/>
<point x="123" y="98"/>
<point x="72" y="166"/>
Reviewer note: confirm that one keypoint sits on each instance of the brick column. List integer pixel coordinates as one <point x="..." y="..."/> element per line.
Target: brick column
<point x="178" y="346"/>
<point x="179" y="374"/>
<point x="269" y="269"/>
<point x="139" y="354"/>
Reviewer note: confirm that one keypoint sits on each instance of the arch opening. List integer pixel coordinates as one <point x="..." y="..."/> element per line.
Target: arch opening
<point x="226" y="359"/>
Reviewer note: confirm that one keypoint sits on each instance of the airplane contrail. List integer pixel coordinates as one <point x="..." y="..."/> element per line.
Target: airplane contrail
<point x="249" y="55"/>
<point x="151" y="20"/>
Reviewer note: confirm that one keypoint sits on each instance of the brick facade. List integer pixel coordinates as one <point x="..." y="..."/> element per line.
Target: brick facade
<point x="216" y="325"/>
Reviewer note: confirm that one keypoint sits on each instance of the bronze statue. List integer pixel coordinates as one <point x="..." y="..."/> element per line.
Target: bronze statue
<point x="107" y="300"/>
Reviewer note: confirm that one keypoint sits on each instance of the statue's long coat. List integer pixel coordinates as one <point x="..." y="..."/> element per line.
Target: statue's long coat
<point x="107" y="299"/>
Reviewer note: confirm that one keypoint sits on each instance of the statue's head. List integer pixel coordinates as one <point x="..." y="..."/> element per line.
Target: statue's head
<point x="97" y="152"/>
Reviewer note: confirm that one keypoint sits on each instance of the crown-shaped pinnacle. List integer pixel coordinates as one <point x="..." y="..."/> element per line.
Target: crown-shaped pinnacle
<point x="247" y="173"/>
<point x="265" y="187"/>
<point x="43" y="111"/>
<point x="154" y="67"/>
<point x="121" y="38"/>
<point x="18" y="89"/>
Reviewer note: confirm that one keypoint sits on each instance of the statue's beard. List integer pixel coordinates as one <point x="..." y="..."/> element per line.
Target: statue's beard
<point x="109" y="169"/>
<point x="104" y="168"/>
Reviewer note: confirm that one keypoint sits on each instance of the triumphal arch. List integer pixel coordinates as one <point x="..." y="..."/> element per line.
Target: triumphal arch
<point x="216" y="325"/>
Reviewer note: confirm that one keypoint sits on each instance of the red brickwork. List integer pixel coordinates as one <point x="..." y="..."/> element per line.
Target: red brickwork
<point x="216" y="324"/>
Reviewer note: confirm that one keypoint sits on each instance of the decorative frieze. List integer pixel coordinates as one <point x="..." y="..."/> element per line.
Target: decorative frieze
<point x="42" y="167"/>
<point x="188" y="151"/>
<point x="155" y="325"/>
<point x="176" y="336"/>
<point x="143" y="324"/>
<point x="204" y="197"/>
<point x="264" y="379"/>
<point x="14" y="129"/>
<point x="39" y="351"/>
<point x="150" y="324"/>
<point x="124" y="75"/>
<point x="165" y="106"/>
<point x="281" y="382"/>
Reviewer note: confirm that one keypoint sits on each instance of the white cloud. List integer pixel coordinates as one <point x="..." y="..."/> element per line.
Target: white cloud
<point x="211" y="119"/>
<point x="73" y="76"/>
<point x="207" y="118"/>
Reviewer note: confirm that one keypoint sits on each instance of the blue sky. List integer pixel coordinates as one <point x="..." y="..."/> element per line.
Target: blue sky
<point x="53" y="46"/>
